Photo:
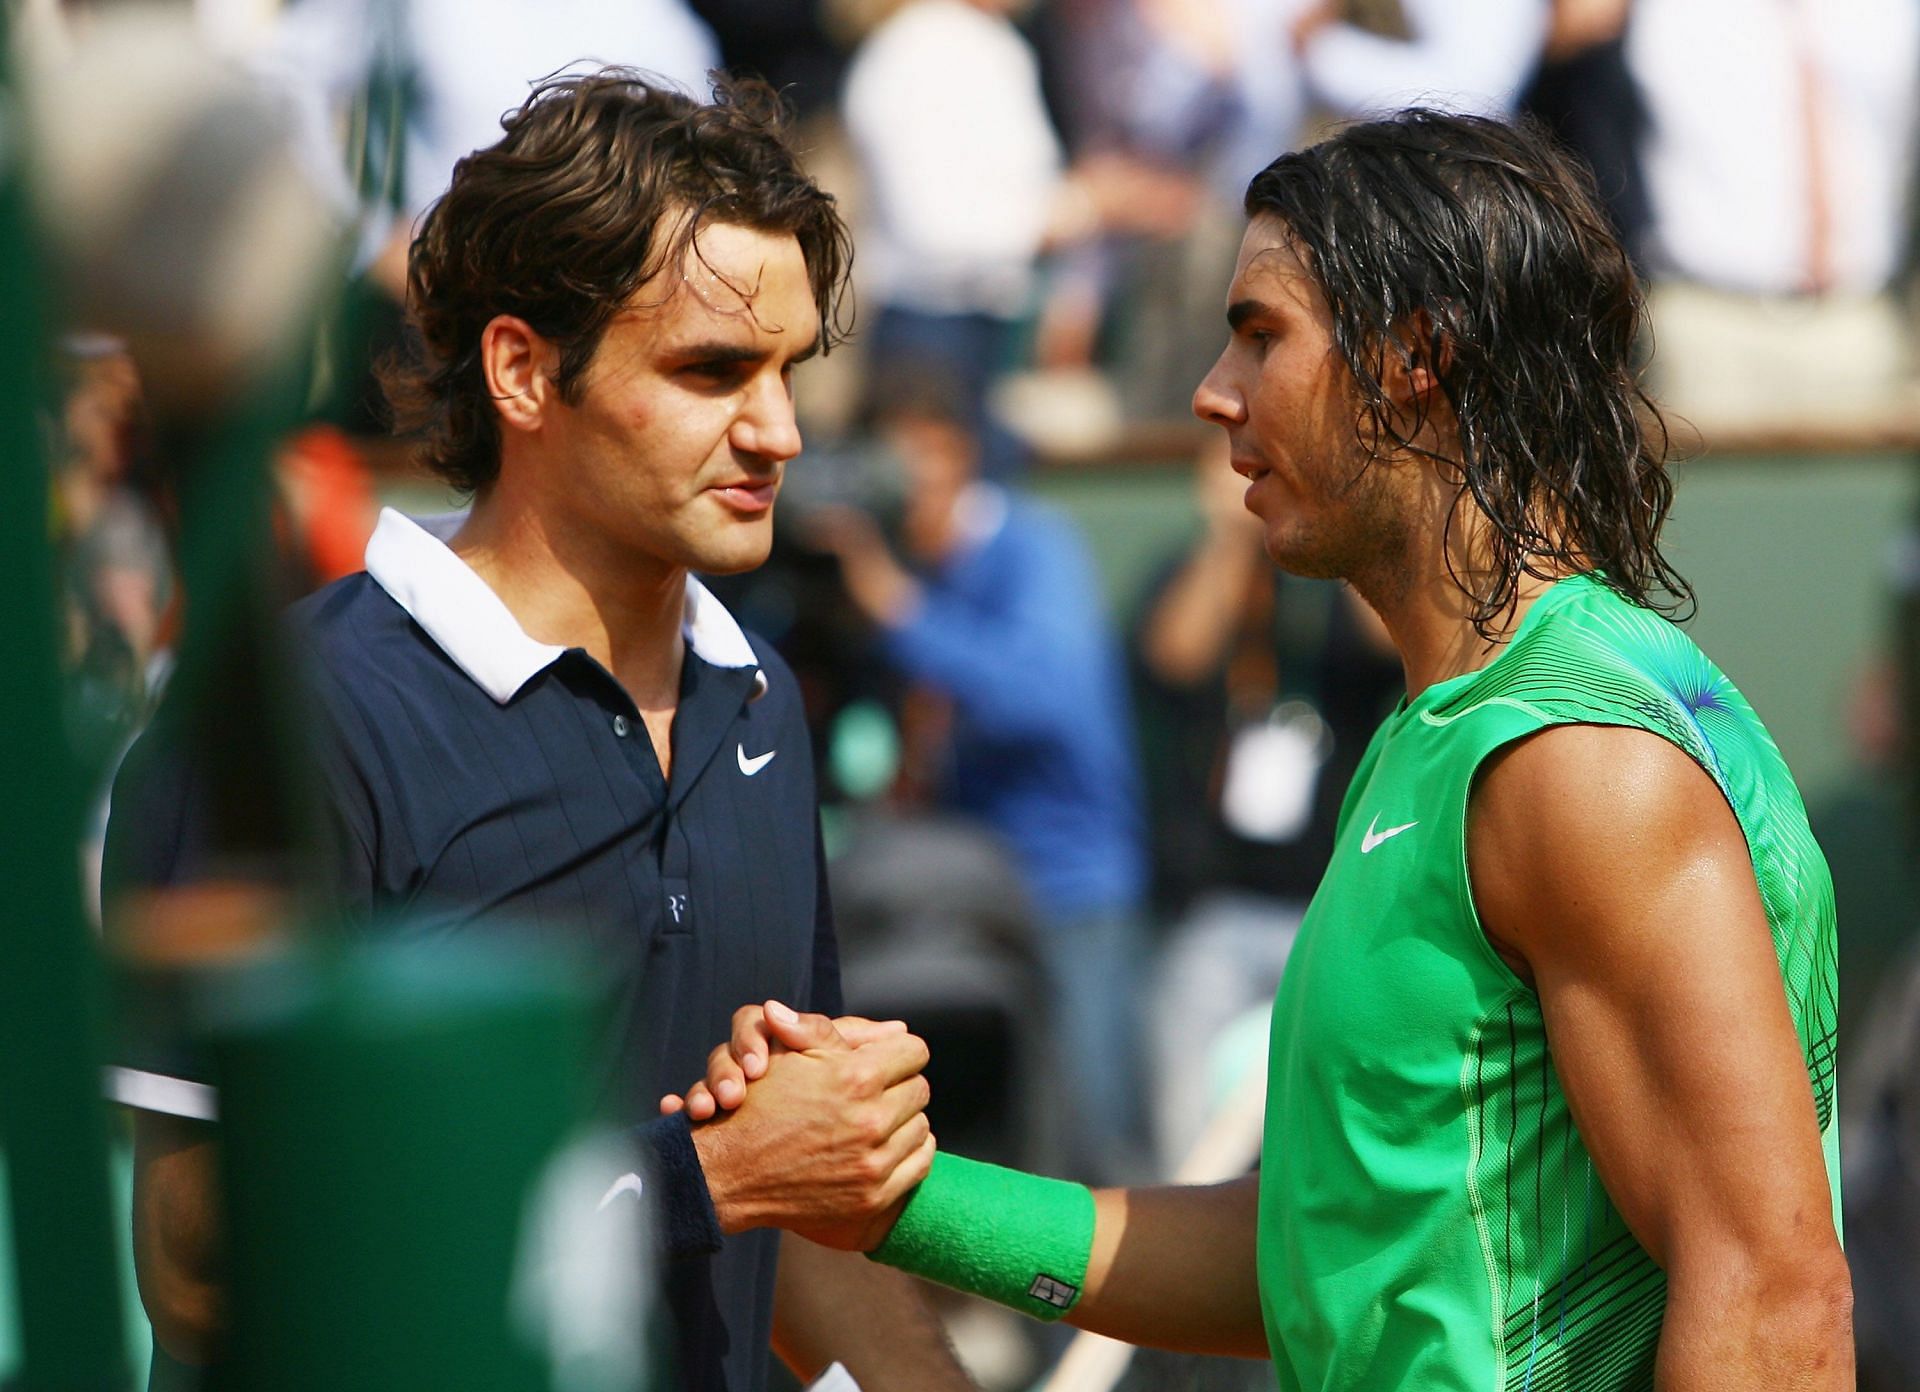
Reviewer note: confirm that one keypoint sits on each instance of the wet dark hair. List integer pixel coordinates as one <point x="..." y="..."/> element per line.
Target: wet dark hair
<point x="1478" y="250"/>
<point x="601" y="181"/>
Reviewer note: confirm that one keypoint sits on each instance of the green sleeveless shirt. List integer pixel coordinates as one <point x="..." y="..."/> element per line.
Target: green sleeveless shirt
<point x="1428" y="1215"/>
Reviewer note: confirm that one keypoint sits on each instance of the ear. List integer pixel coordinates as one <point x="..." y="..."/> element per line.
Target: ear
<point x="1414" y="363"/>
<point x="518" y="363"/>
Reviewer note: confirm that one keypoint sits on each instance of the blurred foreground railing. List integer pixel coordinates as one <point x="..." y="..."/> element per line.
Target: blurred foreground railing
<point x="411" y="1181"/>
<point x="52" y="1125"/>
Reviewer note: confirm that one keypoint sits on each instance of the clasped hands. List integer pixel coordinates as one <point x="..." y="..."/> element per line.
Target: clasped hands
<point x="811" y="1124"/>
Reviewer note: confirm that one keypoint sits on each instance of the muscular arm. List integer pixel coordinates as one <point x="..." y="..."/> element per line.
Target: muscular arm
<point x="839" y="1307"/>
<point x="1174" y="1268"/>
<point x="176" y="1235"/>
<point x="1609" y="871"/>
<point x="1170" y="1267"/>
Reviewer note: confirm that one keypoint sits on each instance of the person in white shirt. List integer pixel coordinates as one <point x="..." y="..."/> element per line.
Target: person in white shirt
<point x="1275" y="63"/>
<point x="966" y="185"/>
<point x="1224" y="84"/>
<point x="1777" y="160"/>
<point x="963" y="168"/>
<point x="1467" y="57"/>
<point x="463" y="64"/>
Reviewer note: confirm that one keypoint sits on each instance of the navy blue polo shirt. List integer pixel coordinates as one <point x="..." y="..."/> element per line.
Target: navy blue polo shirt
<point x="479" y="781"/>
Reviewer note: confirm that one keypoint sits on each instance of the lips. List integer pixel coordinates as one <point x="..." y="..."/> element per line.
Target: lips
<point x="1254" y="471"/>
<point x="746" y="496"/>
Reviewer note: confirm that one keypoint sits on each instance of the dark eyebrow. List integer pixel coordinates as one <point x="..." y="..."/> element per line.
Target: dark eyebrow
<point x="1242" y="310"/>
<point x="725" y="354"/>
<point x="720" y="354"/>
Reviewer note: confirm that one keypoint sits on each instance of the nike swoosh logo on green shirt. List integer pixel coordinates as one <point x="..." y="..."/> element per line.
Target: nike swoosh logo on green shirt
<point x="1374" y="838"/>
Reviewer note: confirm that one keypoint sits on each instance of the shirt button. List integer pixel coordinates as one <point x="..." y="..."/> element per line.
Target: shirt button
<point x="621" y="726"/>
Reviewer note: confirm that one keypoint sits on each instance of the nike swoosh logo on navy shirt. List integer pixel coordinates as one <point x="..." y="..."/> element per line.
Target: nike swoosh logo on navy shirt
<point x="1373" y="838"/>
<point x="756" y="763"/>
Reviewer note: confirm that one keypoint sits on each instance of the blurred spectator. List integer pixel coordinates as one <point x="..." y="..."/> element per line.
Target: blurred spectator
<point x="1778" y="156"/>
<point x="109" y="522"/>
<point x="101" y="444"/>
<point x="1880" y="1146"/>
<point x="1204" y="85"/>
<point x="1257" y="695"/>
<point x="1210" y="81"/>
<point x="1362" y="57"/>
<point x="327" y="496"/>
<point x="460" y="64"/>
<point x="410" y="87"/>
<point x="1236" y="80"/>
<point x="997" y="608"/>
<point x="120" y="588"/>
<point x="1585" y="94"/>
<point x="965" y="185"/>
<point x="1226" y="86"/>
<point x="783" y="42"/>
<point x="114" y="495"/>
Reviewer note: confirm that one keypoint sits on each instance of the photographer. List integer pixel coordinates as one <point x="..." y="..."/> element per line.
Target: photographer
<point x="995" y="605"/>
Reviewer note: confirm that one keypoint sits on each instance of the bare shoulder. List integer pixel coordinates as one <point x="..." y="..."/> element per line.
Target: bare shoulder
<point x="1603" y="781"/>
<point x="1581" y="831"/>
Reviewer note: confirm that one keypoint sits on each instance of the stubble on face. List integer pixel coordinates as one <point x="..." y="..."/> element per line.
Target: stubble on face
<point x="1337" y="510"/>
<point x="1364" y="537"/>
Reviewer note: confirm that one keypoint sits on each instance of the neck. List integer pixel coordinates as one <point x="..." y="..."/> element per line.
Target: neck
<point x="564" y="589"/>
<point x="1426" y="612"/>
<point x="1432" y="628"/>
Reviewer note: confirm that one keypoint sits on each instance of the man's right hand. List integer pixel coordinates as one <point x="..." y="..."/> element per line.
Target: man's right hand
<point x="759" y="1032"/>
<point x="831" y="1137"/>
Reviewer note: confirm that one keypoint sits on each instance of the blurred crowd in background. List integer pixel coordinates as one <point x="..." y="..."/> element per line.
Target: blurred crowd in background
<point x="1075" y="824"/>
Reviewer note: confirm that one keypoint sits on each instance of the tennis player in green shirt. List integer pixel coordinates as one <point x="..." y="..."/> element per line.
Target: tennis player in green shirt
<point x="1551" y="1097"/>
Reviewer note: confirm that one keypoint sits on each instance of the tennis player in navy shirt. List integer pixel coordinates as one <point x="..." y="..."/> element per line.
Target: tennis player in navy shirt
<point x="533" y="719"/>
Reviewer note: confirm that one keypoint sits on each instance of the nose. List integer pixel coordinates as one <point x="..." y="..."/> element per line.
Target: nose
<point x="767" y="427"/>
<point x="1216" y="400"/>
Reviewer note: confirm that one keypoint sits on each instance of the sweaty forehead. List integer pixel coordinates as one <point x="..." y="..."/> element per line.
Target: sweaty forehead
<point x="1270" y="271"/>
<point x="1268" y="260"/>
<point x="734" y="282"/>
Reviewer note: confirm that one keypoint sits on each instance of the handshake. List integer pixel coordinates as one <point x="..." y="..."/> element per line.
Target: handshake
<point x="811" y="1124"/>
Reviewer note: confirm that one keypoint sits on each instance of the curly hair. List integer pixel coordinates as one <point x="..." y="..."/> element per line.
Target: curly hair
<point x="601" y="181"/>
<point x="1478" y="249"/>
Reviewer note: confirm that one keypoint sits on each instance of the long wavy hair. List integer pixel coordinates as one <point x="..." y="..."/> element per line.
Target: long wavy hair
<point x="1478" y="250"/>
<point x="601" y="181"/>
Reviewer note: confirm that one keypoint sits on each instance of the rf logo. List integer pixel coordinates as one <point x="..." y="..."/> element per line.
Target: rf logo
<point x="677" y="906"/>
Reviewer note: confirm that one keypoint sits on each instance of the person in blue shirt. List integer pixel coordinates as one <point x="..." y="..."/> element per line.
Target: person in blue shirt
<point x="997" y="607"/>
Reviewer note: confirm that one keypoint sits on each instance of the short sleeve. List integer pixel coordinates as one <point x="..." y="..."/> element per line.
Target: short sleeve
<point x="156" y="839"/>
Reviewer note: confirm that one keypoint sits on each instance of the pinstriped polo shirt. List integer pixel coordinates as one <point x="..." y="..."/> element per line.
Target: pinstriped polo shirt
<point x="479" y="781"/>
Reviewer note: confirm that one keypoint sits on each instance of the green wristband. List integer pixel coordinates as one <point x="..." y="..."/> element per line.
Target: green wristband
<point x="1017" y="1239"/>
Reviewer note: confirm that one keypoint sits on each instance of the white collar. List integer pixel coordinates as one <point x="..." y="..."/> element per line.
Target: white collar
<point x="411" y="561"/>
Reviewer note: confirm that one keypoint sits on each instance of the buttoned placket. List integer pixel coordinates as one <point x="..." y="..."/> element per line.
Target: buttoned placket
<point x="711" y="699"/>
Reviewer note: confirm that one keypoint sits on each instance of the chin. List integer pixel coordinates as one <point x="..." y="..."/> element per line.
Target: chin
<point x="1298" y="556"/>
<point x="733" y="558"/>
